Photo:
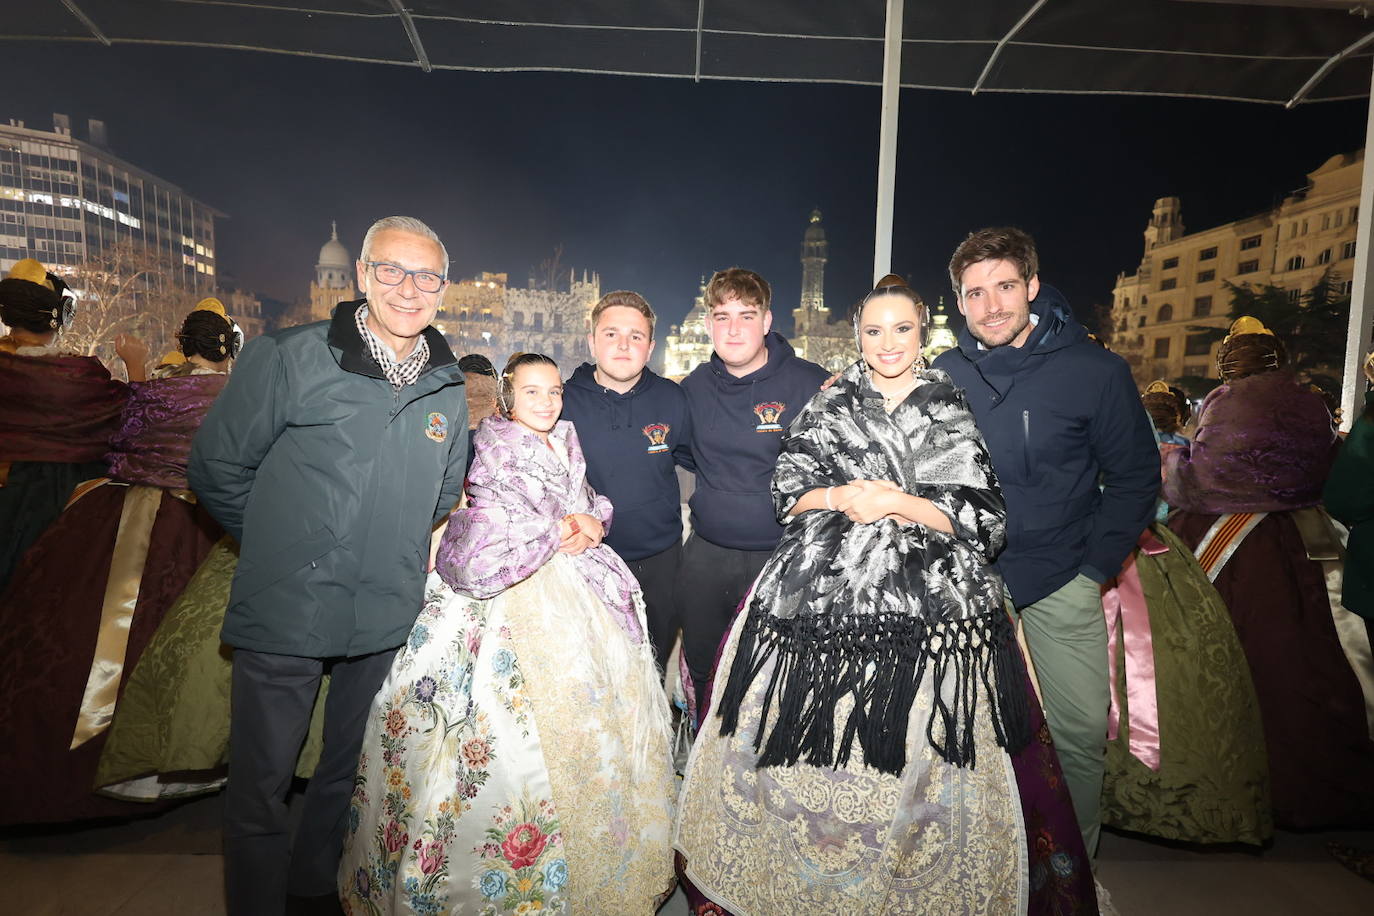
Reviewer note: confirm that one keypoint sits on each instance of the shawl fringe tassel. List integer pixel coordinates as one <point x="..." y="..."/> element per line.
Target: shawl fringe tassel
<point x="879" y="660"/>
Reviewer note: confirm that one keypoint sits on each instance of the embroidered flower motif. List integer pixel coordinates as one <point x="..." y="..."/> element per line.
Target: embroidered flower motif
<point x="1062" y="863"/>
<point x="476" y="753"/>
<point x="523" y="845"/>
<point x="395" y="778"/>
<point x="425" y="688"/>
<point x="393" y="837"/>
<point x="395" y="723"/>
<point x="502" y="661"/>
<point x="431" y="857"/>
<point x="492" y="884"/>
<point x="363" y="883"/>
<point x="419" y="635"/>
<point x="556" y="875"/>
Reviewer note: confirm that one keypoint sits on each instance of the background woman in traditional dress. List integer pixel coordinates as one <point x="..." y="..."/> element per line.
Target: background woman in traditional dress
<point x="516" y="758"/>
<point x="88" y="596"/>
<point x="1247" y="494"/>
<point x="855" y="755"/>
<point x="1185" y="755"/>
<point x="57" y="409"/>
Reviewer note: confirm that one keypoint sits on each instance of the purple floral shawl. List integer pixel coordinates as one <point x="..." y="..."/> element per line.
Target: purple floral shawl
<point x="518" y="491"/>
<point x="1264" y="444"/>
<point x="153" y="444"/>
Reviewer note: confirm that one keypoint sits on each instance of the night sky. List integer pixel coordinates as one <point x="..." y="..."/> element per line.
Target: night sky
<point x="655" y="182"/>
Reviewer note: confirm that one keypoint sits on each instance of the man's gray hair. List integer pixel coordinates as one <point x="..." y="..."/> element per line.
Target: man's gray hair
<point x="402" y="224"/>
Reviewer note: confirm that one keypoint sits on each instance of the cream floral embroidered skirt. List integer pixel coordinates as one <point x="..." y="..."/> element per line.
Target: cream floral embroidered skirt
<point x="516" y="761"/>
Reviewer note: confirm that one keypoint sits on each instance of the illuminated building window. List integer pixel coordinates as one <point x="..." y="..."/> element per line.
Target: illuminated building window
<point x="1169" y="264"/>
<point x="1324" y="257"/>
<point x="1294" y="263"/>
<point x="1207" y="254"/>
<point x="1166" y="313"/>
<point x="1206" y="276"/>
<point x="1202" y="306"/>
<point x="1161" y="347"/>
<point x="1249" y="242"/>
<point x="1347" y="251"/>
<point x="1197" y="345"/>
<point x="1247" y="267"/>
<point x="1168" y="283"/>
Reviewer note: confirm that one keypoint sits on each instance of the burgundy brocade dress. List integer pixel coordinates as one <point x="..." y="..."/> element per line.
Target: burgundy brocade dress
<point x="57" y="414"/>
<point x="1265" y="444"/>
<point x="107" y="569"/>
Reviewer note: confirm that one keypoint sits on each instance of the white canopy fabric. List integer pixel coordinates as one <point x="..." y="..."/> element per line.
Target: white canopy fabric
<point x="1286" y="52"/>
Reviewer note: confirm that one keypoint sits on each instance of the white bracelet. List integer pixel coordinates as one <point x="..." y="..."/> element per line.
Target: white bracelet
<point x="827" y="499"/>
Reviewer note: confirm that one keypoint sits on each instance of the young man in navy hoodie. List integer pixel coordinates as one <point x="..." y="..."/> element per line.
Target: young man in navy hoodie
<point x="1076" y="457"/>
<point x="741" y="402"/>
<point x="634" y="428"/>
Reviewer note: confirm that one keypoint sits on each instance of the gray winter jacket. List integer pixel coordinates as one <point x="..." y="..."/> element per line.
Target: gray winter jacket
<point x="331" y="482"/>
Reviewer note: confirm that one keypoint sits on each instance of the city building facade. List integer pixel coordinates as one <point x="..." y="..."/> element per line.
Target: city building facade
<point x="1168" y="316"/>
<point x="335" y="278"/>
<point x="688" y="343"/>
<point x="67" y="202"/>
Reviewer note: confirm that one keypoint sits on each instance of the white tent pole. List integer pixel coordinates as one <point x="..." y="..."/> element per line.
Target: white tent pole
<point x="887" y="140"/>
<point x="1362" y="295"/>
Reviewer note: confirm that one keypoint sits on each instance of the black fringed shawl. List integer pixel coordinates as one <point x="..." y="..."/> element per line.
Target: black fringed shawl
<point x="871" y="610"/>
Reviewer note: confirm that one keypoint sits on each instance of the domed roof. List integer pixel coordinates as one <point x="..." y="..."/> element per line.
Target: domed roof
<point x="814" y="232"/>
<point x="334" y="254"/>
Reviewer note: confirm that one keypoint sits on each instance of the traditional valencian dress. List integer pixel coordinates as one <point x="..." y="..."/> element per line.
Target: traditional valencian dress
<point x="516" y="758"/>
<point x="1247" y="496"/>
<point x="855" y="755"/>
<point x="88" y="596"/>
<point x="1185" y="755"/>
<point x="57" y="414"/>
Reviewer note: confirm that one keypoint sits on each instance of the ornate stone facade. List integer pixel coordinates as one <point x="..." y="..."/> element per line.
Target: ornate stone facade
<point x="688" y="344"/>
<point x="1167" y="315"/>
<point x="814" y="335"/>
<point x="334" y="278"/>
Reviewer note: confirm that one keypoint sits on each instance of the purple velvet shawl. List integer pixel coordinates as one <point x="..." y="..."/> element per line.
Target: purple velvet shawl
<point x="1264" y="444"/>
<point x="518" y="491"/>
<point x="153" y="444"/>
<point x="57" y="408"/>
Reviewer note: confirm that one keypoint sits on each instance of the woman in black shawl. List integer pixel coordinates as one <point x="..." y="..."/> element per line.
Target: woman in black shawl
<point x="857" y="755"/>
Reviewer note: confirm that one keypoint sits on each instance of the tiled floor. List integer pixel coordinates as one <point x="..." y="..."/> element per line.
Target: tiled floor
<point x="169" y="865"/>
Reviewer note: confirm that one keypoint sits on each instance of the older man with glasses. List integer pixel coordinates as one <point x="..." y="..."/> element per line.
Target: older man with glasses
<point x="332" y="453"/>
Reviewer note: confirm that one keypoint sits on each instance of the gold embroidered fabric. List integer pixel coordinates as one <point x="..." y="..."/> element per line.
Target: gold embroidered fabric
<point x="615" y="799"/>
<point x="937" y="839"/>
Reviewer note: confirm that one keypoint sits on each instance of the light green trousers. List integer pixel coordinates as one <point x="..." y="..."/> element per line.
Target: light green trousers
<point x="1067" y="636"/>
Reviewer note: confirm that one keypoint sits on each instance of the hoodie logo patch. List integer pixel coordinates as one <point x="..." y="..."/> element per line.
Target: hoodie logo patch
<point x="768" y="413"/>
<point x="436" y="427"/>
<point x="658" y="437"/>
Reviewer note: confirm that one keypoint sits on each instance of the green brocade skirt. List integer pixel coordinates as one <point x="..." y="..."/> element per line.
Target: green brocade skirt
<point x="170" y="734"/>
<point x="1212" y="785"/>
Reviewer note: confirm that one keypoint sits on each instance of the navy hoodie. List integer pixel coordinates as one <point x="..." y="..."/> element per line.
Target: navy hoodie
<point x="631" y="442"/>
<point x="737" y="427"/>
<point x="1060" y="416"/>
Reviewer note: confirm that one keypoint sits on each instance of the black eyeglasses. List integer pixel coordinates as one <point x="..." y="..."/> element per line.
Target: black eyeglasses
<point x="426" y="281"/>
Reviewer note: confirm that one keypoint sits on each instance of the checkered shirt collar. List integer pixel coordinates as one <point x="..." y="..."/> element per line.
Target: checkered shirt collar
<point x="399" y="374"/>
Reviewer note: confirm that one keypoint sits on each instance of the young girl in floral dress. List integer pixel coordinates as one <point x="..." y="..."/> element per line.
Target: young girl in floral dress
<point x="517" y="756"/>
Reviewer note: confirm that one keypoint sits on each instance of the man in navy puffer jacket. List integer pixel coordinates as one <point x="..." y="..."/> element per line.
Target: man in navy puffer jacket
<point x="1077" y="461"/>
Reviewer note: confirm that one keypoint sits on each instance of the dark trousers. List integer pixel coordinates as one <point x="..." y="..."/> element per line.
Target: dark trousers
<point x="272" y="697"/>
<point x="711" y="583"/>
<point x="657" y="577"/>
